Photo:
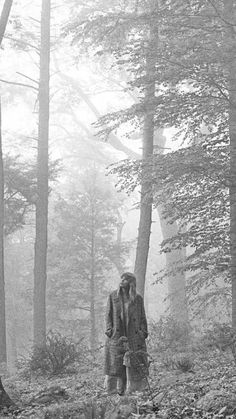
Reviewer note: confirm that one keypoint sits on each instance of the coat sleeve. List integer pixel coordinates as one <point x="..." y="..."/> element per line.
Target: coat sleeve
<point x="109" y="318"/>
<point x="143" y="321"/>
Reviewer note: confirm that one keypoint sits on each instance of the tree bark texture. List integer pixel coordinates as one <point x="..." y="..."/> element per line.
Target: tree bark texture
<point x="40" y="262"/>
<point x="4" y="18"/>
<point x="5" y="400"/>
<point x="92" y="282"/>
<point x="3" y="345"/>
<point x="145" y="220"/>
<point x="229" y="8"/>
<point x="117" y="260"/>
<point x="11" y="264"/>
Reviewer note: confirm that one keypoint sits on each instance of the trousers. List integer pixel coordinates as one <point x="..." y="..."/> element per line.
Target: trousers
<point x="124" y="383"/>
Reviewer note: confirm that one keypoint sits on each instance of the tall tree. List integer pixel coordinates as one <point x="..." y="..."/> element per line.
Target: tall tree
<point x="145" y="220"/>
<point x="141" y="19"/>
<point x="3" y="351"/>
<point x="79" y="274"/>
<point x="230" y="15"/>
<point x="209" y="95"/>
<point x="191" y="186"/>
<point x="176" y="276"/>
<point x="40" y="262"/>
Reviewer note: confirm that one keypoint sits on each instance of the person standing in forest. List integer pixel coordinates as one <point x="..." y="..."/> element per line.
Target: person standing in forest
<point x="126" y="365"/>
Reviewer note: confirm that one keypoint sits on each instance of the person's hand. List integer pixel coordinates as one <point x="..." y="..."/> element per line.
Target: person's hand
<point x="143" y="334"/>
<point x="122" y="340"/>
<point x="109" y="332"/>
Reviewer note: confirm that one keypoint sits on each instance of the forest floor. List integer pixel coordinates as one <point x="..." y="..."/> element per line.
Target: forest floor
<point x="193" y="385"/>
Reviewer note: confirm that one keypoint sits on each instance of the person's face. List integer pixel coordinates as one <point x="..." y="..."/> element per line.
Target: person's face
<point x="124" y="283"/>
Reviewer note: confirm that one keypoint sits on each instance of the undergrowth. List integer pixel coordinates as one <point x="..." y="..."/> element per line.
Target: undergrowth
<point x="180" y="384"/>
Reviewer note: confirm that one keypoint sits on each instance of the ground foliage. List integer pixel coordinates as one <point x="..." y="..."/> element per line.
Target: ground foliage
<point x="206" y="390"/>
<point x="59" y="353"/>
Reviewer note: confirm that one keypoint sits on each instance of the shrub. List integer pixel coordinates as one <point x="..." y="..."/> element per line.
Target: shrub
<point x="59" y="353"/>
<point x="167" y="334"/>
<point x="75" y="410"/>
<point x="182" y="362"/>
<point x="222" y="337"/>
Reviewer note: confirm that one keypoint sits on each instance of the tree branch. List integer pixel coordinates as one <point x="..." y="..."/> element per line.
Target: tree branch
<point x="113" y="139"/>
<point x="232" y="25"/>
<point x="20" y="41"/>
<point x="27" y="77"/>
<point x="4" y="18"/>
<point x="19" y="84"/>
<point x="84" y="308"/>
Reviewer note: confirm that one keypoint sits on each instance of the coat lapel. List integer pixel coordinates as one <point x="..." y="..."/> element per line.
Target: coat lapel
<point x="132" y="309"/>
<point x="117" y="302"/>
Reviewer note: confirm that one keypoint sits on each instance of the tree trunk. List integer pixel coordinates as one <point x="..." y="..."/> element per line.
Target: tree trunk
<point x="12" y="352"/>
<point x="5" y="401"/>
<point x="3" y="345"/>
<point x="40" y="261"/>
<point x="229" y="9"/>
<point x="92" y="314"/>
<point x="117" y="259"/>
<point x="176" y="281"/>
<point x="145" y="220"/>
<point x="11" y="265"/>
<point x="4" y="18"/>
<point x="92" y="282"/>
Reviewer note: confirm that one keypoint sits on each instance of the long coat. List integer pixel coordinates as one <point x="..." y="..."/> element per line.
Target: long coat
<point x="136" y="334"/>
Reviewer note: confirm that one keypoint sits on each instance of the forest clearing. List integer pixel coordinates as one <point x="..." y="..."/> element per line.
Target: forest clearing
<point x="117" y="209"/>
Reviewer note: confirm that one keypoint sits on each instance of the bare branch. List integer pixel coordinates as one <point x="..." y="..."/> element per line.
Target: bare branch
<point x="35" y="20"/>
<point x="27" y="77"/>
<point x="232" y="25"/>
<point x="20" y="41"/>
<point x="19" y="84"/>
<point x="84" y="308"/>
<point x="113" y="139"/>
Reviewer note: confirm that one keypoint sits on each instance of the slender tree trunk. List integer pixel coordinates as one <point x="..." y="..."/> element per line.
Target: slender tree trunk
<point x="40" y="262"/>
<point x="176" y="280"/>
<point x="12" y="336"/>
<point x="92" y="281"/>
<point x="229" y="9"/>
<point x="11" y="264"/>
<point x="3" y="345"/>
<point x="117" y="260"/>
<point x="5" y="400"/>
<point x="4" y="17"/>
<point x="145" y="220"/>
<point x="3" y="348"/>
